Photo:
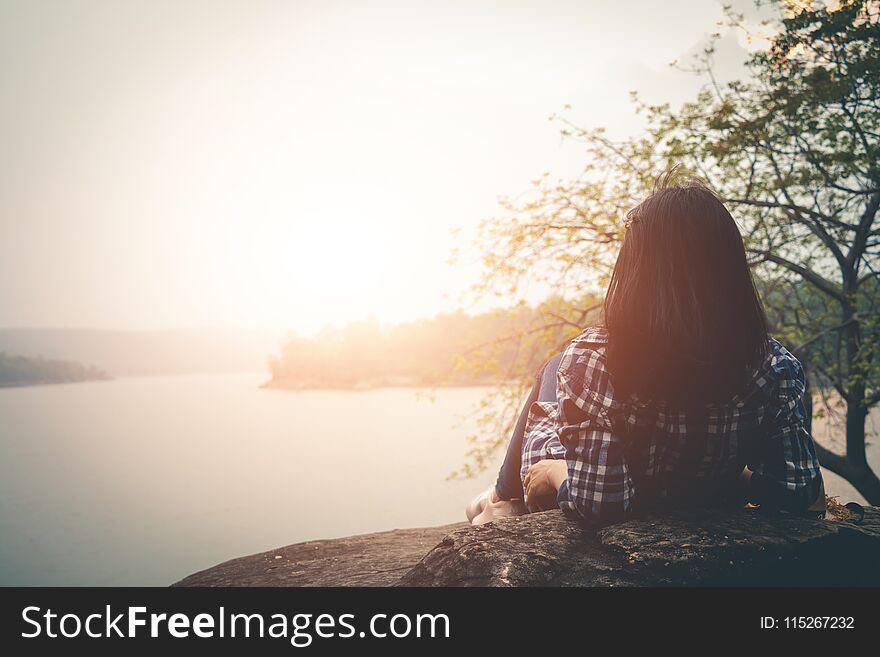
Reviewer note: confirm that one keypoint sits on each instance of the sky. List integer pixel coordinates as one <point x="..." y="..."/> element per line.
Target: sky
<point x="257" y="164"/>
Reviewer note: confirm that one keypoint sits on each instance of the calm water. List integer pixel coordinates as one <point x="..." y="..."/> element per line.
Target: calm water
<point x="143" y="481"/>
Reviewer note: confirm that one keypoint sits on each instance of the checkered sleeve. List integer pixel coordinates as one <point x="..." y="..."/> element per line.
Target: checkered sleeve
<point x="785" y="469"/>
<point x="540" y="440"/>
<point x="599" y="487"/>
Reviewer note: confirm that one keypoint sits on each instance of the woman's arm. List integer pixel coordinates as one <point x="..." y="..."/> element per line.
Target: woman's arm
<point x="598" y="486"/>
<point x="785" y="471"/>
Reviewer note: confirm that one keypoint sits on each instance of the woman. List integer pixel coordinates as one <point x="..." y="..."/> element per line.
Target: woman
<point x="679" y="398"/>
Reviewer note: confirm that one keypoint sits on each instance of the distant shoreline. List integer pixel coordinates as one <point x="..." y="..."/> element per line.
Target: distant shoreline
<point x="25" y="371"/>
<point x="34" y="384"/>
<point x="268" y="385"/>
<point x="374" y="385"/>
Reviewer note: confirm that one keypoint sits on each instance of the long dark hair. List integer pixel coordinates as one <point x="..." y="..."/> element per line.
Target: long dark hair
<point x="684" y="319"/>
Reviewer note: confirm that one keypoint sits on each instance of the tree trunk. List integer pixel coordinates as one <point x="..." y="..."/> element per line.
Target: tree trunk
<point x="853" y="465"/>
<point x="860" y="474"/>
<point x="855" y="471"/>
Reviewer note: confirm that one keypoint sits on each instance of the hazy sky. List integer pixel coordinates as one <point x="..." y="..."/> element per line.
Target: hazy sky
<point x="290" y="164"/>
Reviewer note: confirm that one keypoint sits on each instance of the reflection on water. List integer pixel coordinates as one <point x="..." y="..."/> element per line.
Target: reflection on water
<point x="143" y="481"/>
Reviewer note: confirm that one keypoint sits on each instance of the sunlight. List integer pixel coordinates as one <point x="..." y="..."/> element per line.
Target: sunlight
<point x="299" y="166"/>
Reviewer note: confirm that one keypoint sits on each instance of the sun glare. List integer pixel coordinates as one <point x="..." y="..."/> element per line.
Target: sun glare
<point x="294" y="167"/>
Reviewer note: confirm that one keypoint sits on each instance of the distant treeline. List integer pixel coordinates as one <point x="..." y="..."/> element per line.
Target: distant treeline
<point x="24" y="371"/>
<point x="147" y="353"/>
<point x="449" y="349"/>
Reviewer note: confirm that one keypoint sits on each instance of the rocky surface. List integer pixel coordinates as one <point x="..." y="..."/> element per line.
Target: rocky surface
<point x="703" y="548"/>
<point x="366" y="560"/>
<point x="685" y="548"/>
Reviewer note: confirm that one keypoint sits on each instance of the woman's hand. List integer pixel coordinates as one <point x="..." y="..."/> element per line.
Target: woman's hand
<point x="545" y="477"/>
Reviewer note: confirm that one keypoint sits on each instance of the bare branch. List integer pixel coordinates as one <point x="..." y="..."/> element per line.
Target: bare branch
<point x="823" y="284"/>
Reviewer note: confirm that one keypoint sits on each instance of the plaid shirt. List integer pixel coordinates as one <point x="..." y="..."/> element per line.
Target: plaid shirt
<point x="624" y="455"/>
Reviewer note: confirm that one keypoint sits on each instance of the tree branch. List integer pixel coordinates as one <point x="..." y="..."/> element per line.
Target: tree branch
<point x="823" y="284"/>
<point x="822" y="334"/>
<point x="863" y="230"/>
<point x="831" y="460"/>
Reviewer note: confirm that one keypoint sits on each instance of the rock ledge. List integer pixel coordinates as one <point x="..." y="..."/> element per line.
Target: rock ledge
<point x="684" y="548"/>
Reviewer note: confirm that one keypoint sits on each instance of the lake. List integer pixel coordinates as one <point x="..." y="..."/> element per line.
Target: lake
<point x="142" y="481"/>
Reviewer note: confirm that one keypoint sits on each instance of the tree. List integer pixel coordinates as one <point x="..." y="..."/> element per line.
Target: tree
<point x="793" y="151"/>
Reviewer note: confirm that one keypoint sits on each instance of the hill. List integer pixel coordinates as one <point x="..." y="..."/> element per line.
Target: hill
<point x="24" y="371"/>
<point x="139" y="353"/>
